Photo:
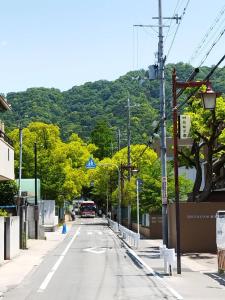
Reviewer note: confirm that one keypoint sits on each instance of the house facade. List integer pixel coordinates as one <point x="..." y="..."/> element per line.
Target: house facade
<point x="6" y="147"/>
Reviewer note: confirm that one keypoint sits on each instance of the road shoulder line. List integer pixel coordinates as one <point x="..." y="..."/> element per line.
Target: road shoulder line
<point x="49" y="276"/>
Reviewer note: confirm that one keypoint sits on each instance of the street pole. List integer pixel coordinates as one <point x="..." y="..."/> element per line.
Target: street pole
<point x="179" y="85"/>
<point x="20" y="159"/>
<point x="128" y="140"/>
<point x="119" y="194"/>
<point x="137" y="184"/>
<point x="176" y="178"/>
<point x="107" y="200"/>
<point x="35" y="185"/>
<point x="163" y="129"/>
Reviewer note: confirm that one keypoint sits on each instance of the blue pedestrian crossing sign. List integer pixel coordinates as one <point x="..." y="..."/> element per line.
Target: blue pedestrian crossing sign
<point x="90" y="164"/>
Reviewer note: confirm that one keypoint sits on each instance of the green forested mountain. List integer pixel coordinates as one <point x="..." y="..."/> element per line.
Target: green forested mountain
<point x="80" y="108"/>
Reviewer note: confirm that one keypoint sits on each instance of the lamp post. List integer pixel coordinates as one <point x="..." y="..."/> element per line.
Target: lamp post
<point x="209" y="100"/>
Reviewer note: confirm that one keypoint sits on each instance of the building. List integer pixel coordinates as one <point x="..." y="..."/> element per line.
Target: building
<point x="6" y="148"/>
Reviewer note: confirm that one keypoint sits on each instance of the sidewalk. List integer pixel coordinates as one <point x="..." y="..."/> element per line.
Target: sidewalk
<point x="199" y="279"/>
<point x="14" y="271"/>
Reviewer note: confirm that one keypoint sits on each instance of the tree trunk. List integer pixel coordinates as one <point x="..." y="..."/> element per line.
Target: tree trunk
<point x="209" y="175"/>
<point x="198" y="177"/>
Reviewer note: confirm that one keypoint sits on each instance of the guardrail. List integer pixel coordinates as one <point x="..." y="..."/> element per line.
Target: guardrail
<point x="113" y="225"/>
<point x="131" y="237"/>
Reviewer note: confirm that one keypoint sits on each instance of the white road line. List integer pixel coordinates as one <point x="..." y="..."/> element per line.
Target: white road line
<point x="172" y="291"/>
<point x="47" y="279"/>
<point x="100" y="233"/>
<point x="89" y="233"/>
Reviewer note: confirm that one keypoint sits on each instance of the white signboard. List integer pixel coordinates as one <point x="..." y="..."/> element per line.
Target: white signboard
<point x="185" y="125"/>
<point x="220" y="229"/>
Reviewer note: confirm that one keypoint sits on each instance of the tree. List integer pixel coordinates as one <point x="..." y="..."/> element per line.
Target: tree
<point x="8" y="189"/>
<point x="102" y="137"/>
<point x="208" y="133"/>
<point x="105" y="178"/>
<point x="60" y="166"/>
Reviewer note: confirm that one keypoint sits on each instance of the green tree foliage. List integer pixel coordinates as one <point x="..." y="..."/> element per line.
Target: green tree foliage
<point x="105" y="179"/>
<point x="8" y="189"/>
<point x="207" y="130"/>
<point x="80" y="108"/>
<point x="60" y="165"/>
<point x="102" y="137"/>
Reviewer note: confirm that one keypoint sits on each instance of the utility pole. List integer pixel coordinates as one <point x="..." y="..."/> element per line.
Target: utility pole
<point x="21" y="154"/>
<point x="128" y="139"/>
<point x="161" y="71"/>
<point x="161" y="76"/>
<point x="35" y="185"/>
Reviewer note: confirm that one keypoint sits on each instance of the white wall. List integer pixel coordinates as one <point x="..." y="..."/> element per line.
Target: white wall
<point x="12" y="237"/>
<point x="1" y="239"/>
<point x="47" y="212"/>
<point x="6" y="161"/>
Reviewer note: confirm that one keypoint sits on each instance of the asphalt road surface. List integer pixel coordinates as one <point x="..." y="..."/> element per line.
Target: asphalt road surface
<point x="90" y="264"/>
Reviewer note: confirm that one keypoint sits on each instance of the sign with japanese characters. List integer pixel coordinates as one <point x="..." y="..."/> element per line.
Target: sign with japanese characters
<point x="185" y="126"/>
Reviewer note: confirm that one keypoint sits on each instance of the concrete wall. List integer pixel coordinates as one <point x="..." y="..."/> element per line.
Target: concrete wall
<point x="31" y="224"/>
<point x="6" y="161"/>
<point x="12" y="237"/>
<point x="197" y="226"/>
<point x="47" y="211"/>
<point x="2" y="221"/>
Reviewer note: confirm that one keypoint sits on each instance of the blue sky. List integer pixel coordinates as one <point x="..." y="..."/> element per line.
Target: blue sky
<point x="62" y="43"/>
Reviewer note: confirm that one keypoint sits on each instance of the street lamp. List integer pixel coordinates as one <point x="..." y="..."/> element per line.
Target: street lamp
<point x="209" y="101"/>
<point x="209" y="98"/>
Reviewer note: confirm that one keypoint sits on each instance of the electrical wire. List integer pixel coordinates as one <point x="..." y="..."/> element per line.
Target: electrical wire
<point x="156" y="130"/>
<point x="209" y="32"/>
<point x="212" y="46"/>
<point x="178" y="26"/>
<point x="170" y="23"/>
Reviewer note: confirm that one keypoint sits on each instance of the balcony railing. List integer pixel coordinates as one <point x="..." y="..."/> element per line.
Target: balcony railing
<point x="6" y="138"/>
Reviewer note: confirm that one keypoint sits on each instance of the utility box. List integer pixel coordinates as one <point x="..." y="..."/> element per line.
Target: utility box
<point x="220" y="239"/>
<point x="153" y="72"/>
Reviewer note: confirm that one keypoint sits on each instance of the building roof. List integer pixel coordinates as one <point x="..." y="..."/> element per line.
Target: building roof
<point x="4" y="105"/>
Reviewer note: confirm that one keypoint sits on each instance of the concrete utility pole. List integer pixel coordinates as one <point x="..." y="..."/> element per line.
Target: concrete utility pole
<point x="21" y="154"/>
<point x="128" y="139"/>
<point x="161" y="62"/>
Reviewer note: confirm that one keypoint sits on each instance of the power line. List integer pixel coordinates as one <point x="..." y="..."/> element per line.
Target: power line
<point x="212" y="46"/>
<point x="170" y="23"/>
<point x="157" y="127"/>
<point x="178" y="26"/>
<point x="209" y="32"/>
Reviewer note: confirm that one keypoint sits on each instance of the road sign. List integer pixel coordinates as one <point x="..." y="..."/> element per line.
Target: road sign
<point x="90" y="164"/>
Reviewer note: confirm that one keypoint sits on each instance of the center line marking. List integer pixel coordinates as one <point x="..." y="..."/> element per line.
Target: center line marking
<point x="48" y="278"/>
